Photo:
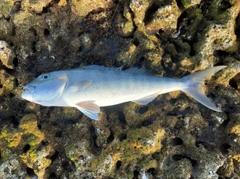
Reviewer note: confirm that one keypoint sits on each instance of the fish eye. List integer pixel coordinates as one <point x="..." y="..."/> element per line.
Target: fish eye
<point x="45" y="76"/>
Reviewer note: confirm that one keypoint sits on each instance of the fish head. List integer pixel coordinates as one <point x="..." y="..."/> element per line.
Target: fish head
<point x="45" y="88"/>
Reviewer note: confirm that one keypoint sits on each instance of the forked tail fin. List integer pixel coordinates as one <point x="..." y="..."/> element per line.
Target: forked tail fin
<point x="194" y="86"/>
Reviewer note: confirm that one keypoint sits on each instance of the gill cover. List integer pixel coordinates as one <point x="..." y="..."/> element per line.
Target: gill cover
<point x="46" y="88"/>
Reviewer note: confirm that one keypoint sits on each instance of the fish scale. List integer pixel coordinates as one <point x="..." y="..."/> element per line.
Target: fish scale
<point x="91" y="87"/>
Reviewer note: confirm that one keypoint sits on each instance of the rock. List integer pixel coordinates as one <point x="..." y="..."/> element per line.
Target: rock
<point x="6" y="55"/>
<point x="219" y="35"/>
<point x="7" y="29"/>
<point x="188" y="3"/>
<point x="36" y="6"/>
<point x="12" y="168"/>
<point x="8" y="83"/>
<point x="84" y="7"/>
<point x="32" y="155"/>
<point x="5" y="6"/>
<point x="165" y="18"/>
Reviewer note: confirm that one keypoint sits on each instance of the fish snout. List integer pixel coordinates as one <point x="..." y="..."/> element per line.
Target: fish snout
<point x="29" y="88"/>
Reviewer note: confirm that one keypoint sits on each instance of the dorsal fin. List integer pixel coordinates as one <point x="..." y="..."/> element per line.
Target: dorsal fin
<point x="133" y="70"/>
<point x="100" y="67"/>
<point x="136" y="70"/>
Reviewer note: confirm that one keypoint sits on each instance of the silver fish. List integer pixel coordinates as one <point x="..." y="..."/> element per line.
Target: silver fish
<point x="91" y="87"/>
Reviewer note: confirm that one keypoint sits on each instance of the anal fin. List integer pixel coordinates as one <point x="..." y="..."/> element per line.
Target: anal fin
<point x="146" y="99"/>
<point x="89" y="108"/>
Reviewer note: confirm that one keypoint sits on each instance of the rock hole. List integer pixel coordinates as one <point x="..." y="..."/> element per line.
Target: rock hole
<point x="152" y="171"/>
<point x="160" y="31"/>
<point x="141" y="59"/>
<point x="212" y="95"/>
<point x="224" y="124"/>
<point x="55" y="2"/>
<point x="177" y="157"/>
<point x="110" y="138"/>
<point x="58" y="134"/>
<point x="237" y="29"/>
<point x="216" y="88"/>
<point x="118" y="164"/>
<point x="175" y="141"/>
<point x="98" y="10"/>
<point x="224" y="6"/>
<point x="156" y="156"/>
<point x="229" y="110"/>
<point x="34" y="47"/>
<point x="180" y="5"/>
<point x="172" y="101"/>
<point x="54" y="156"/>
<point x="15" y="121"/>
<point x="233" y="84"/>
<point x="31" y="173"/>
<point x="143" y="109"/>
<point x="193" y="162"/>
<point x="65" y="121"/>
<point x="11" y="95"/>
<point x="44" y="142"/>
<point x="122" y="118"/>
<point x="80" y="50"/>
<point x="198" y="143"/>
<point x="93" y="135"/>
<point x="220" y="53"/>
<point x="31" y="29"/>
<point x="26" y="148"/>
<point x="52" y="176"/>
<point x="150" y="13"/>
<point x="149" y="121"/>
<point x="136" y="42"/>
<point x="67" y="166"/>
<point x="39" y="126"/>
<point x="192" y="51"/>
<point x="16" y="7"/>
<point x="224" y="148"/>
<point x="46" y="33"/>
<point x="122" y="137"/>
<point x="15" y="62"/>
<point x="135" y="174"/>
<point x="1" y="85"/>
<point x="45" y="10"/>
<point x="234" y="81"/>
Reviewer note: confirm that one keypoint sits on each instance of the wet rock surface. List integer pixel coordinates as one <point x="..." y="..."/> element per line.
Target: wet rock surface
<point x="172" y="137"/>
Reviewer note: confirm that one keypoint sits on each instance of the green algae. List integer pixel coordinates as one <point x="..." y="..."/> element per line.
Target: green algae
<point x="12" y="137"/>
<point x="28" y="132"/>
<point x="34" y="5"/>
<point x="6" y="154"/>
<point x="82" y="9"/>
<point x="5" y="6"/>
<point x="8" y="82"/>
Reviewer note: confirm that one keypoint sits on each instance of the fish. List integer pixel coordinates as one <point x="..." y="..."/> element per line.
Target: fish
<point x="90" y="87"/>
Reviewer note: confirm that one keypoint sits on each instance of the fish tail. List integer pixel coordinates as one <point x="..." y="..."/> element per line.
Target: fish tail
<point x="194" y="86"/>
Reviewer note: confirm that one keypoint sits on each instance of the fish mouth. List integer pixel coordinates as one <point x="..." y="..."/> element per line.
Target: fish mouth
<point x="29" y="88"/>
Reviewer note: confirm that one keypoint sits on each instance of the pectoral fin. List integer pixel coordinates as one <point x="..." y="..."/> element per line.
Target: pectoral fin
<point x="146" y="99"/>
<point x="89" y="108"/>
<point x="79" y="85"/>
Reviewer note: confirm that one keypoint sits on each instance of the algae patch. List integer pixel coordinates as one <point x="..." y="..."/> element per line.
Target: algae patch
<point x="28" y="137"/>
